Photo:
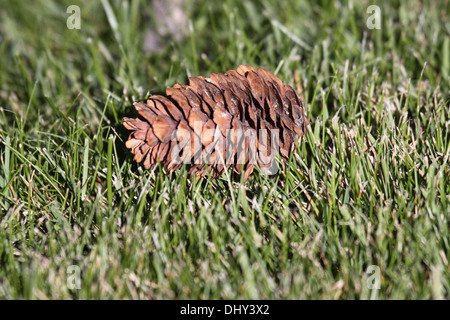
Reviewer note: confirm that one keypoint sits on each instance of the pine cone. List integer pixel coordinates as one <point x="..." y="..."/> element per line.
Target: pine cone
<point x="241" y="119"/>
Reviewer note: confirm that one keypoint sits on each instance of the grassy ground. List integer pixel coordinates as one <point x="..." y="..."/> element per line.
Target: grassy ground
<point x="368" y="186"/>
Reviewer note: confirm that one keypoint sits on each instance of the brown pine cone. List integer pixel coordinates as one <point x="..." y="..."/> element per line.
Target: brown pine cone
<point x="241" y="119"/>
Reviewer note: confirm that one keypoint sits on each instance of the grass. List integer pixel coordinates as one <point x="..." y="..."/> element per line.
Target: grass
<point x="368" y="185"/>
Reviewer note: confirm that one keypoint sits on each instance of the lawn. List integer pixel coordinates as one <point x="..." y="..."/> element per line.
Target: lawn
<point x="360" y="211"/>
